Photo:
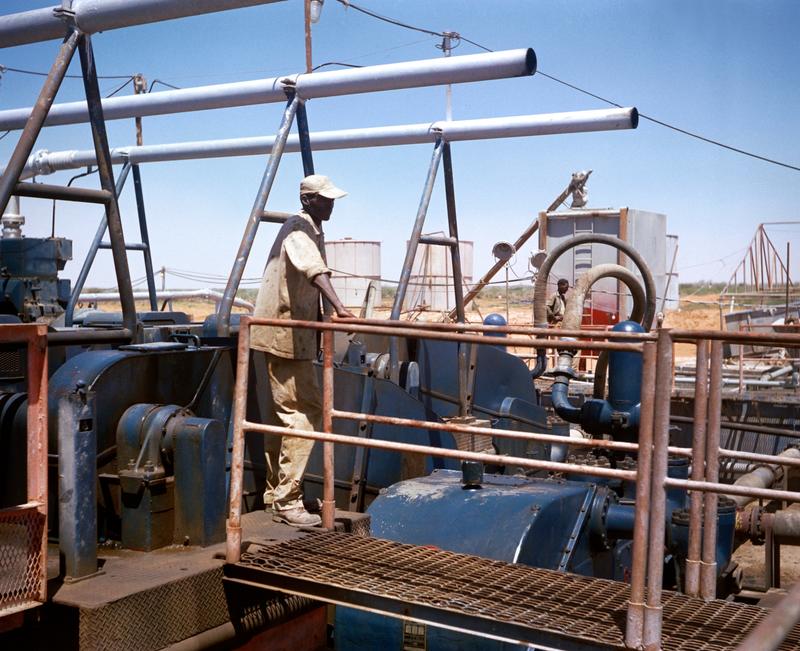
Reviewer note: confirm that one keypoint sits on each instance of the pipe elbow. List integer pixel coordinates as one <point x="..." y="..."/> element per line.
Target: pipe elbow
<point x="561" y="403"/>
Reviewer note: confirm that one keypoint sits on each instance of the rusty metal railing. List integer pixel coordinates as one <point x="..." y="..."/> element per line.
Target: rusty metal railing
<point x="644" y="614"/>
<point x="23" y="528"/>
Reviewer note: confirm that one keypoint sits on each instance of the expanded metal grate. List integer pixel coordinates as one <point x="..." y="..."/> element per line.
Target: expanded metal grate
<point x="21" y="576"/>
<point x="568" y="606"/>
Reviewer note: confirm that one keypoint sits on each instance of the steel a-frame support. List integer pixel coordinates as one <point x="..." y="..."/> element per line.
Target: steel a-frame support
<point x="9" y="181"/>
<point x="441" y="154"/>
<point x="295" y="109"/>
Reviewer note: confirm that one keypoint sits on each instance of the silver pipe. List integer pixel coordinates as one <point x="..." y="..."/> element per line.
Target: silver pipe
<point x="93" y="16"/>
<point x="45" y="162"/>
<point x="370" y="79"/>
<point x="764" y="476"/>
<point x="209" y="294"/>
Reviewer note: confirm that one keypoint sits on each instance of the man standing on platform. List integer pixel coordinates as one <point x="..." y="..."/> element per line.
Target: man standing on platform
<point x="294" y="278"/>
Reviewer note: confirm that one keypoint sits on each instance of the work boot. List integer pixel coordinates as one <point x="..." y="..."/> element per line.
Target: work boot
<point x="296" y="517"/>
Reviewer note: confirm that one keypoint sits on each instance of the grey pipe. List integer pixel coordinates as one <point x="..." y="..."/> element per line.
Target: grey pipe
<point x="762" y="477"/>
<point x="44" y="162"/>
<point x="370" y="79"/>
<point x="93" y="16"/>
<point x="540" y="288"/>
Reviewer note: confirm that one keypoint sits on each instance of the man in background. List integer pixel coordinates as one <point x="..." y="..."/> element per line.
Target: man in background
<point x="557" y="303"/>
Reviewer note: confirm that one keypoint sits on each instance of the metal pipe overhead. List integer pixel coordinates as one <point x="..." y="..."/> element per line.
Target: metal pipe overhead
<point x="370" y="79"/>
<point x="45" y="162"/>
<point x="91" y="16"/>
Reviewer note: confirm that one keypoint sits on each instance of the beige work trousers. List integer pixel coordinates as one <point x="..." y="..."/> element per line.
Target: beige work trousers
<point x="297" y="403"/>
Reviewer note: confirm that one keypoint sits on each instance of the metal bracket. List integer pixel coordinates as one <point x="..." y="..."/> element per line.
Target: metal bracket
<point x="581" y="520"/>
<point x="361" y="459"/>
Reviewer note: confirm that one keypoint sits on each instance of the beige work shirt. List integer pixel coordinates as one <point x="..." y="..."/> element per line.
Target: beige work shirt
<point x="287" y="291"/>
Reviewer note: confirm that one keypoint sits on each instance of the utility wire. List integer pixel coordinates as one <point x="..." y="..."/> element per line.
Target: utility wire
<point x="4" y="69"/>
<point x="691" y="134"/>
<point x="163" y="83"/>
<point x="114" y="92"/>
<point x="335" y="63"/>
<point x="391" y="21"/>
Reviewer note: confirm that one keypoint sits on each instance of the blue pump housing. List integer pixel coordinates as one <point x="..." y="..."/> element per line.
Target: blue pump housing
<point x="618" y="415"/>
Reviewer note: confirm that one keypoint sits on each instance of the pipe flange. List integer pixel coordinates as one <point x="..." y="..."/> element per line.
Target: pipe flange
<point x="598" y="520"/>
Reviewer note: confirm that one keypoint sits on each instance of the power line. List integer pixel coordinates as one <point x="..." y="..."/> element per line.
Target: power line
<point x="391" y="21"/>
<point x="37" y="73"/>
<point x="335" y="63"/>
<point x="691" y="134"/>
<point x="114" y="92"/>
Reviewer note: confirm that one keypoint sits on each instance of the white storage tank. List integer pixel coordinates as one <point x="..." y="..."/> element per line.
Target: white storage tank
<point x="431" y="283"/>
<point x="354" y="264"/>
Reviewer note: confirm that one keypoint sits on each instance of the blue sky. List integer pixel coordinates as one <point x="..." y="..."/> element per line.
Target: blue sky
<point x="727" y="70"/>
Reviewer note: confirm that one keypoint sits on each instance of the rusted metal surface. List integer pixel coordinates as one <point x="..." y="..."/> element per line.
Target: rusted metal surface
<point x="692" y="580"/>
<point x="342" y="326"/>
<point x="234" y="523"/>
<point x="451" y="426"/>
<point x="491" y="598"/>
<point x="328" y="498"/>
<point x="744" y="427"/>
<point x="772" y="630"/>
<point x="634" y="626"/>
<point x="736" y="337"/>
<point x="62" y="193"/>
<point x="708" y="565"/>
<point x="436" y="326"/>
<point x="23" y="528"/>
<point x="653" y="610"/>
<point x="446" y="453"/>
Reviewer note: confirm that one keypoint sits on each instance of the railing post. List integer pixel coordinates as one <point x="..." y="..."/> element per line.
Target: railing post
<point x="658" y="497"/>
<point x="233" y="548"/>
<point x="708" y="571"/>
<point x="37" y="439"/>
<point x="635" y="615"/>
<point x="692" y="586"/>
<point x="328" y="496"/>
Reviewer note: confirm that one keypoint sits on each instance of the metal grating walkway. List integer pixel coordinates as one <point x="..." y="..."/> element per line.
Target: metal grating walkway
<point x="506" y="601"/>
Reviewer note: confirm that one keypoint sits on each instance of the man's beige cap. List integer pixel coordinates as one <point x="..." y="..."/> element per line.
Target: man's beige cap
<point x="319" y="184"/>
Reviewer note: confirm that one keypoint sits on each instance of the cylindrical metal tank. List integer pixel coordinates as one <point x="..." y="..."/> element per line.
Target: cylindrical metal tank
<point x="431" y="282"/>
<point x="354" y="264"/>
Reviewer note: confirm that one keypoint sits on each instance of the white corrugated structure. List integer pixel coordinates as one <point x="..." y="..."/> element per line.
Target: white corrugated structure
<point x="646" y="231"/>
<point x="354" y="264"/>
<point x="431" y="283"/>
